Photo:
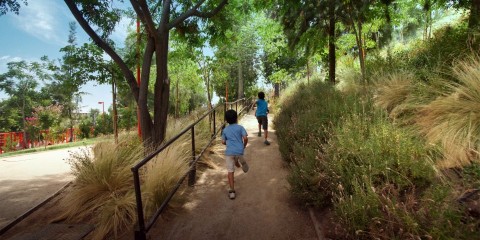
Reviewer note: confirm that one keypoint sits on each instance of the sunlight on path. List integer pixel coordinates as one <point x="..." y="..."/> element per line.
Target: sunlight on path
<point x="262" y="209"/>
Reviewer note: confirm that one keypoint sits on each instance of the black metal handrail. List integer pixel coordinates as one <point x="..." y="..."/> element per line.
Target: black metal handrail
<point x="141" y="228"/>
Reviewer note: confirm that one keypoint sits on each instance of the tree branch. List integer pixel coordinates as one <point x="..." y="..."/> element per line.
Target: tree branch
<point x="103" y="45"/>
<point x="141" y="8"/>
<point x="211" y="13"/>
<point x="194" y="12"/>
<point x="165" y="14"/>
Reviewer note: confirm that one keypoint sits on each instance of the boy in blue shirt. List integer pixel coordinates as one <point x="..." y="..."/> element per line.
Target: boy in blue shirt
<point x="261" y="114"/>
<point x="235" y="137"/>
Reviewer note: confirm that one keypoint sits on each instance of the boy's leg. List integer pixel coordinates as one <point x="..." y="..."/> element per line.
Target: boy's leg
<point x="259" y="120"/>
<point x="231" y="181"/>
<point x="265" y="128"/>
<point x="244" y="164"/>
<point x="230" y="162"/>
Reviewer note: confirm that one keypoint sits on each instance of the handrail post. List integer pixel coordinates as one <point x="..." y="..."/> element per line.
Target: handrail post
<point x="236" y="106"/>
<point x="214" y="123"/>
<point x="140" y="229"/>
<point x="224" y="112"/>
<point x="191" y="176"/>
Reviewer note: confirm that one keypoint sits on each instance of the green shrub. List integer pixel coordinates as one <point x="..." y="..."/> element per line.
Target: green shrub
<point x="374" y="168"/>
<point x="306" y="116"/>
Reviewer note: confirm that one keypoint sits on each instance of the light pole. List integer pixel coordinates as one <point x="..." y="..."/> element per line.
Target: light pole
<point x="103" y="107"/>
<point x="104" y="119"/>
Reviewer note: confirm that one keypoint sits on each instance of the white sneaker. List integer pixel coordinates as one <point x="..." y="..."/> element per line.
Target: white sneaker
<point x="231" y="194"/>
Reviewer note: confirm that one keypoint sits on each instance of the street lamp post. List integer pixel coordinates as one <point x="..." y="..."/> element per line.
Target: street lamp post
<point x="103" y="107"/>
<point x="104" y="128"/>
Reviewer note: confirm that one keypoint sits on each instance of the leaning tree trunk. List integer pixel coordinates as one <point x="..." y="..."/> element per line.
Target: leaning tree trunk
<point x="474" y="19"/>
<point x="331" y="46"/>
<point x="146" y="124"/>
<point x="240" y="80"/>
<point x="361" y="52"/>
<point x="277" y="90"/>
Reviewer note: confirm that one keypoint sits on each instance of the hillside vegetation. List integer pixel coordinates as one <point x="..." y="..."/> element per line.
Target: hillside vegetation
<point x="396" y="158"/>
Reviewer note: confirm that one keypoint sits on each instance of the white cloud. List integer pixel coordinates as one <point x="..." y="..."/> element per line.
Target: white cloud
<point x="121" y="31"/>
<point x="43" y="20"/>
<point x="6" y="59"/>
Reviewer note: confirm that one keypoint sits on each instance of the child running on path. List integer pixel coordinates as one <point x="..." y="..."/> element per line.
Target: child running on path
<point x="261" y="114"/>
<point x="235" y="137"/>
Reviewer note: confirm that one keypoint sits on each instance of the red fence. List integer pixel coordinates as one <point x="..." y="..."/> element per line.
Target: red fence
<point x="12" y="141"/>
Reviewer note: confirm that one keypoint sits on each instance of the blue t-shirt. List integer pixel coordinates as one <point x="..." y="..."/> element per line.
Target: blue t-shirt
<point x="262" y="108"/>
<point x="233" y="135"/>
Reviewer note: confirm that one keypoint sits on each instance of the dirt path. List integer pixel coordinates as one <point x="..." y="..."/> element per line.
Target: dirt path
<point x="263" y="208"/>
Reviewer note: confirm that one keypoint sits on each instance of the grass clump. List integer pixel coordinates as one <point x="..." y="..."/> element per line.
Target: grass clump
<point x="103" y="192"/>
<point x="453" y="120"/>
<point x="377" y="172"/>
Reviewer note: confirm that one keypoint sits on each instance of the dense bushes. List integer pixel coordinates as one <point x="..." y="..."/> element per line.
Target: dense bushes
<point x="380" y="159"/>
<point x="380" y="179"/>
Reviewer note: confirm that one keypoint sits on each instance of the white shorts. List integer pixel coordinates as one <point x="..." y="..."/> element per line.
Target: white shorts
<point x="230" y="160"/>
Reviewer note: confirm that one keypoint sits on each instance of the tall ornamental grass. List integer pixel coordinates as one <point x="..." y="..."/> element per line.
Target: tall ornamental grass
<point x="453" y="120"/>
<point x="103" y="192"/>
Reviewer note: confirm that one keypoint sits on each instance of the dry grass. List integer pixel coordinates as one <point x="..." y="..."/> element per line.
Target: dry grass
<point x="392" y="90"/>
<point x="163" y="173"/>
<point x="453" y="120"/>
<point x="103" y="192"/>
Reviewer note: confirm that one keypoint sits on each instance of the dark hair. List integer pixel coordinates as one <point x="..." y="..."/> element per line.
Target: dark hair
<point x="261" y="95"/>
<point x="231" y="116"/>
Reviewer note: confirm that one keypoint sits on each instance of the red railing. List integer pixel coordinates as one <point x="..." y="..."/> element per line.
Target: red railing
<point x="12" y="141"/>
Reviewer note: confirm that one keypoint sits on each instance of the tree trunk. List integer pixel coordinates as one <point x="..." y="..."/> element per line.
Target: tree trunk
<point x="114" y="107"/>
<point x="24" y="140"/>
<point x="146" y="123"/>
<point x="240" y="80"/>
<point x="474" y="19"/>
<point x="331" y="46"/>
<point x="162" y="89"/>
<point x="361" y="56"/>
<point x="308" y="72"/>
<point x="277" y="90"/>
<point x="209" y="93"/>
<point x="177" y="100"/>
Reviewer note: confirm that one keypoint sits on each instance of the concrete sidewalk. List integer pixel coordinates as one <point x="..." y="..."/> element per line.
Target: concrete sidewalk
<point x="27" y="180"/>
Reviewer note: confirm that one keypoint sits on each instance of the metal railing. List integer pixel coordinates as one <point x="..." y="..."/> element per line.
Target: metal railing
<point x="142" y="228"/>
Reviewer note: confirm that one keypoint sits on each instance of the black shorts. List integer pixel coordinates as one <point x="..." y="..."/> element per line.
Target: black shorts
<point x="263" y="120"/>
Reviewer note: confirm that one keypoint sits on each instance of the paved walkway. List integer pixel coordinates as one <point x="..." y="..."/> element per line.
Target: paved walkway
<point x="27" y="180"/>
<point x="263" y="208"/>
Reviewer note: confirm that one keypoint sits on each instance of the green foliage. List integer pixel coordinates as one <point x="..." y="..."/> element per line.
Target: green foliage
<point x="306" y="124"/>
<point x="85" y="128"/>
<point x="381" y="179"/>
<point x="10" y="144"/>
<point x="428" y="59"/>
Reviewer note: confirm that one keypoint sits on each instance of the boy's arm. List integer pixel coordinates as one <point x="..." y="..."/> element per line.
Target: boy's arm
<point x="224" y="142"/>
<point x="245" y="141"/>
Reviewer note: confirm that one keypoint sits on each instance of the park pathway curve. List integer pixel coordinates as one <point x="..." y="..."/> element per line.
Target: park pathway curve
<point x="263" y="208"/>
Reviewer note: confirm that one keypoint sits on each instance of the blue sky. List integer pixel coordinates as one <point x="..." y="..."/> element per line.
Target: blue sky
<point x="41" y="29"/>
